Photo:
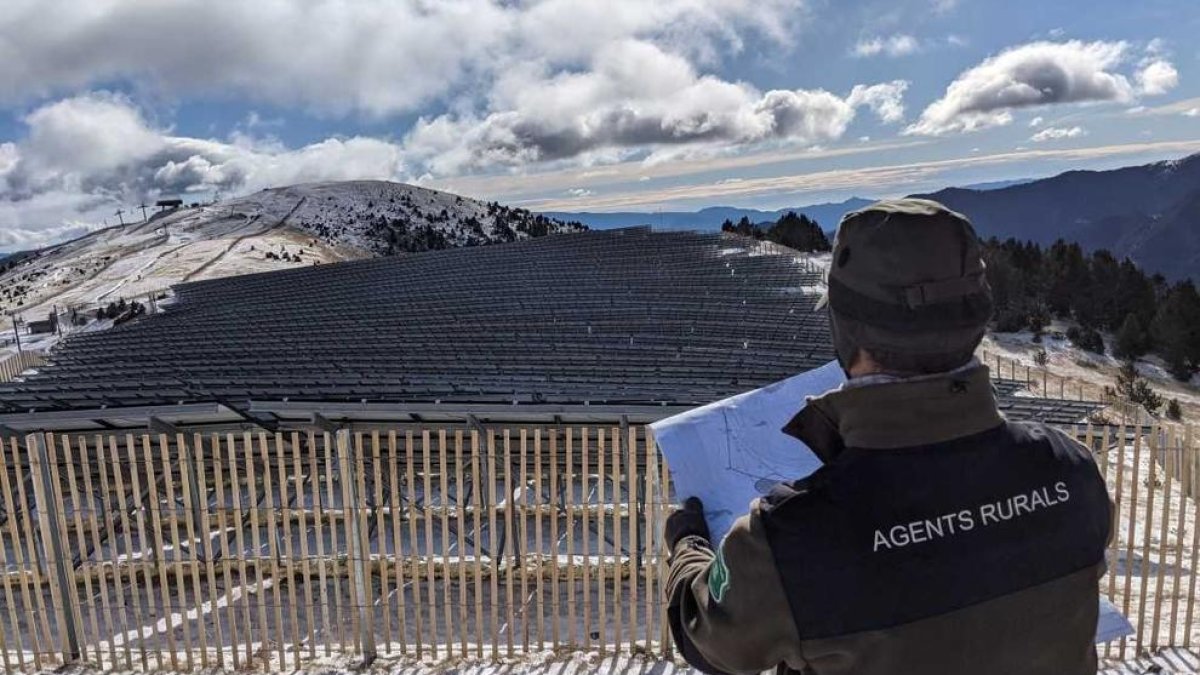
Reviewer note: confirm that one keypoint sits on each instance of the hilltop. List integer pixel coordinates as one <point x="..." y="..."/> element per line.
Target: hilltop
<point x="278" y="228"/>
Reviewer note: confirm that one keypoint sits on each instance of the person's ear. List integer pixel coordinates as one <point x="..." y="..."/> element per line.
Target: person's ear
<point x="862" y="364"/>
<point x="861" y="357"/>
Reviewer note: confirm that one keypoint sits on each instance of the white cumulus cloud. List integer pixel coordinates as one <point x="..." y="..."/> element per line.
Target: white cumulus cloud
<point x="84" y="156"/>
<point x="1157" y="77"/>
<point x="1057" y="133"/>
<point x="892" y="45"/>
<point x="633" y="97"/>
<point x="376" y="57"/>
<point x="1035" y="74"/>
<point x="886" y="99"/>
<point x="501" y="84"/>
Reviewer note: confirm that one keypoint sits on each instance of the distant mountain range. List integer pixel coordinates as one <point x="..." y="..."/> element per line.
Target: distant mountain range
<point x="1149" y="213"/>
<point x="827" y="215"/>
<point x="997" y="184"/>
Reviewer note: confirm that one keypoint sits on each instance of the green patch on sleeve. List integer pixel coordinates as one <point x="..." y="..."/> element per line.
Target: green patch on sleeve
<point x="718" y="577"/>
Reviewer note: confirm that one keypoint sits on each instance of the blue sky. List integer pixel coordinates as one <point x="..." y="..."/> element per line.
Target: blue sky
<point x="577" y="104"/>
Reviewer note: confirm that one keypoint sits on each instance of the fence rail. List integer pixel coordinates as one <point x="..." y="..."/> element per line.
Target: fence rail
<point x="257" y="550"/>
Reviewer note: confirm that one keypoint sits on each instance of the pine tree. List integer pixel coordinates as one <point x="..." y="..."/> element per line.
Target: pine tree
<point x="1002" y="276"/>
<point x="1037" y="324"/>
<point x="1176" y="330"/>
<point x="1068" y="277"/>
<point x="1086" y="338"/>
<point x="1131" y="339"/>
<point x="1174" y="412"/>
<point x="744" y="227"/>
<point x="1094" y="305"/>
<point x="1134" y="294"/>
<point x="798" y="232"/>
<point x="1011" y="320"/>
<point x="1132" y="387"/>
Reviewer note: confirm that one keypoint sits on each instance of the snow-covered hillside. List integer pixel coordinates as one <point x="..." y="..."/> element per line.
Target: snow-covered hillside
<point x="273" y="229"/>
<point x="384" y="218"/>
<point x="1067" y="362"/>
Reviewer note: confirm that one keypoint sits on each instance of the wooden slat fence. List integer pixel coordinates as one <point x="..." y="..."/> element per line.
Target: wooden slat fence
<point x="251" y="550"/>
<point x="15" y="364"/>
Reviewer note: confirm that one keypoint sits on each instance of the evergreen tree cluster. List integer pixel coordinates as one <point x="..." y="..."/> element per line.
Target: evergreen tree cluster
<point x="121" y="311"/>
<point x="12" y="260"/>
<point x="794" y="231"/>
<point x="1098" y="293"/>
<point x="392" y="224"/>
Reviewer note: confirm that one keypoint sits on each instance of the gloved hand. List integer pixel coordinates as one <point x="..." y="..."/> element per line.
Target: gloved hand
<point x="685" y="522"/>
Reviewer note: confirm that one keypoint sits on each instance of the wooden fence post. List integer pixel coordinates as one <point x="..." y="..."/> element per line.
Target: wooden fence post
<point x="637" y="508"/>
<point x="188" y="460"/>
<point x="54" y="547"/>
<point x="358" y="545"/>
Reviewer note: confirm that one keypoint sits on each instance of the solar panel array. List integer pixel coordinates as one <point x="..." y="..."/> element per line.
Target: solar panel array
<point x="627" y="316"/>
<point x="609" y="317"/>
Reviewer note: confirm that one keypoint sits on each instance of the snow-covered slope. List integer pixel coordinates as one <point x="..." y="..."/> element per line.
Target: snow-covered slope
<point x="383" y="218"/>
<point x="272" y="229"/>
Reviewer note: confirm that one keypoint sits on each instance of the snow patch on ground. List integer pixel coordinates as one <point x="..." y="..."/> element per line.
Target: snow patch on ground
<point x="1165" y="662"/>
<point x="1095" y="371"/>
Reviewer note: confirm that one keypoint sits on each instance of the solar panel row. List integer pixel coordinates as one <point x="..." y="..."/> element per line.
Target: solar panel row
<point x="627" y="316"/>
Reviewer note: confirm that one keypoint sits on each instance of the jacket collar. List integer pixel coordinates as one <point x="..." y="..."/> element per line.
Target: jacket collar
<point x="898" y="414"/>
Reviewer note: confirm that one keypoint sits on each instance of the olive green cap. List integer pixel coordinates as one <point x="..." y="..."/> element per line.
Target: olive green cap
<point x="906" y="282"/>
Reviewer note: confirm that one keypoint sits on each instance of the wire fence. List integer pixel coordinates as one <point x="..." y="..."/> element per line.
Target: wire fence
<point x="1038" y="380"/>
<point x="254" y="550"/>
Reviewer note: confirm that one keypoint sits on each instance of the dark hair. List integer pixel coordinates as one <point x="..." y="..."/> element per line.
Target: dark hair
<point x="919" y="364"/>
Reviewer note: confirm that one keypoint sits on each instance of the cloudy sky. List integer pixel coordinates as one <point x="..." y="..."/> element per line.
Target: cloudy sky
<point x="577" y="104"/>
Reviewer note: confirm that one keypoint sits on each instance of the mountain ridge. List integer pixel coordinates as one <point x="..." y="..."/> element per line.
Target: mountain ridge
<point x="1149" y="213"/>
<point x="827" y="214"/>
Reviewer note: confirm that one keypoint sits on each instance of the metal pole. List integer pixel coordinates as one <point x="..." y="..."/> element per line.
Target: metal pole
<point x="16" y="334"/>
